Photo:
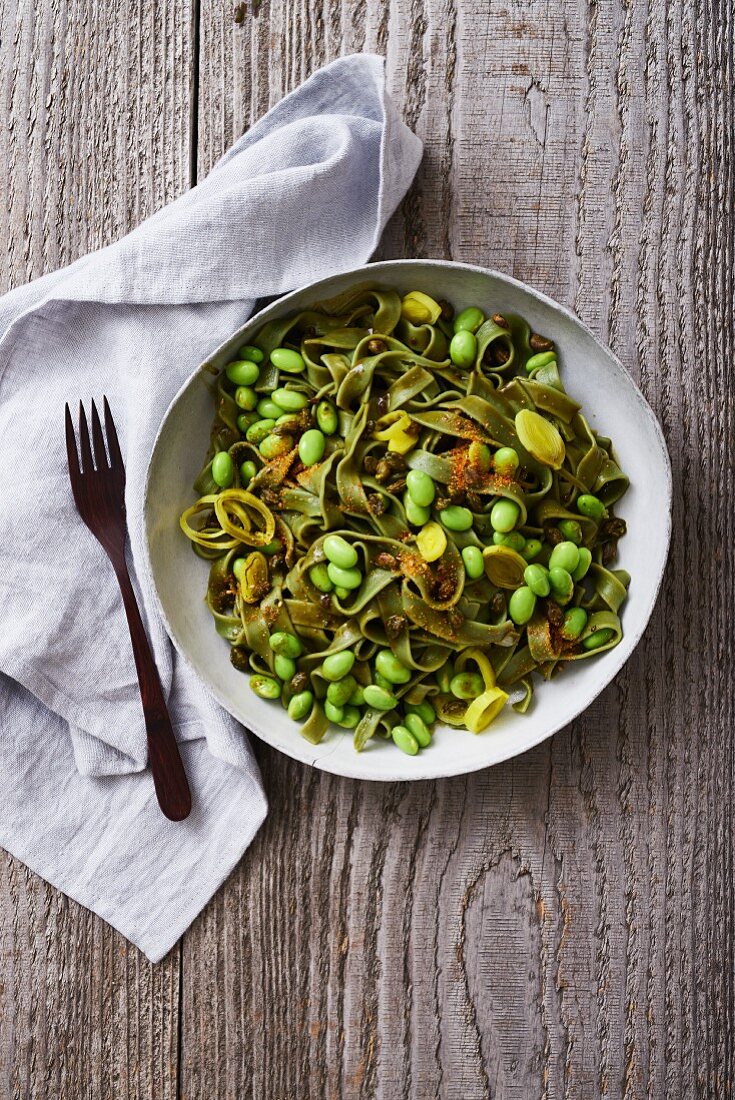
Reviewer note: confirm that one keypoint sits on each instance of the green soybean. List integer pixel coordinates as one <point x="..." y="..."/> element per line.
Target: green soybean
<point x="246" y="398"/>
<point x="289" y="400"/>
<point x="223" y="469"/>
<point x="341" y="593"/>
<point x="405" y="740"/>
<point x="300" y="705"/>
<point x="456" y="518"/>
<point x="341" y="691"/>
<point x="504" y="516"/>
<point x="532" y="549"/>
<point x="415" y="724"/>
<point x="589" y="505"/>
<point x="311" y="447"/>
<point x="388" y="665"/>
<point x="467" y="685"/>
<point x="245" y="419"/>
<point x="285" y="644"/>
<point x="286" y="360"/>
<point x="338" y="665"/>
<point x="320" y="578"/>
<point x="537" y="579"/>
<point x="248" y="470"/>
<point x="469" y="320"/>
<point x="271" y="547"/>
<point x="585" y="560"/>
<point x="237" y="567"/>
<point x="379" y="698"/>
<point x="506" y="461"/>
<point x="242" y="373"/>
<point x="274" y="445"/>
<point x="463" y="349"/>
<point x="382" y="682"/>
<point x="339" y="551"/>
<point x="565" y="555"/>
<point x="575" y="620"/>
<point x="473" y="563"/>
<point x="571" y="530"/>
<point x="266" y="687"/>
<point x="599" y="638"/>
<point x="562" y="585"/>
<point x="333" y="713"/>
<point x="257" y="432"/>
<point x="268" y="409"/>
<point x="513" y="539"/>
<point x="479" y="455"/>
<point x="415" y="515"/>
<point x="344" y="578"/>
<point x="357" y="699"/>
<point x="350" y="717"/>
<point x="249" y="351"/>
<point x="420" y="488"/>
<point x="326" y="417"/>
<point x="284" y="667"/>
<point x="521" y="605"/>
<point x="541" y="360"/>
<point x="444" y="676"/>
<point x="424" y="711"/>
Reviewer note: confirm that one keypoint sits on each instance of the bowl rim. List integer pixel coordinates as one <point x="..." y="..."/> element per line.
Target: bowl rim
<point x="301" y="747"/>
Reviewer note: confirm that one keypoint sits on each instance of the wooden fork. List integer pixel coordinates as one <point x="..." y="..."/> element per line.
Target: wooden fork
<point x="98" y="486"/>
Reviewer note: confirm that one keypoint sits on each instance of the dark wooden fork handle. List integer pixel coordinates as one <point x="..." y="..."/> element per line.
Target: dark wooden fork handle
<point x="169" y="777"/>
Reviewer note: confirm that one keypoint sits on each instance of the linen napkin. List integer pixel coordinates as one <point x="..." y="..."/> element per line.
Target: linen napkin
<point x="304" y="194"/>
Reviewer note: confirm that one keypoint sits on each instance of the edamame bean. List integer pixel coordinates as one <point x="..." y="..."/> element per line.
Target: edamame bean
<point x="300" y="705"/>
<point x="592" y="506"/>
<point x="463" y="349"/>
<point x="379" y="698"/>
<point x="479" y="455"/>
<point x="286" y="360"/>
<point x="599" y="638"/>
<point x="266" y="687"/>
<point x="424" y="711"/>
<point x="514" y="540"/>
<point x="285" y="644"/>
<point x="504" y="516"/>
<point x="506" y="461"/>
<point x="473" y="563"/>
<point x="537" y="579"/>
<point x="344" y="578"/>
<point x="268" y="409"/>
<point x="444" y="676"/>
<point x="350" y="717"/>
<point x="311" y="447"/>
<point x="405" y="740"/>
<point x="237" y="567"/>
<point x="469" y="320"/>
<point x="571" y="530"/>
<point x="242" y="373"/>
<point x="388" y="665"/>
<point x="223" y="469"/>
<point x="575" y="620"/>
<point x="257" y="432"/>
<point x="320" y="578"/>
<point x="339" y="551"/>
<point x="420" y="487"/>
<point x="565" y="555"/>
<point x="326" y="417"/>
<point x="341" y="593"/>
<point x="248" y="470"/>
<point x="541" y="360"/>
<point x="415" y="515"/>
<point x="521" y="605"/>
<point x="456" y="518"/>
<point x="274" y="445"/>
<point x="333" y="713"/>
<point x="284" y="667"/>
<point x="383" y="683"/>
<point x="289" y="400"/>
<point x="467" y="685"/>
<point x="249" y="351"/>
<point x="340" y="691"/>
<point x="337" y="665"/>
<point x="416" y="725"/>
<point x="287" y="418"/>
<point x="246" y="398"/>
<point x="245" y="419"/>
<point x="585" y="560"/>
<point x="271" y="547"/>
<point x="562" y="585"/>
<point x="532" y="549"/>
<point x="357" y="699"/>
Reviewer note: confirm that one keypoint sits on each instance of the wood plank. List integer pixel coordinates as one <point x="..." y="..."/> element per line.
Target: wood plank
<point x="96" y="136"/>
<point x="561" y="925"/>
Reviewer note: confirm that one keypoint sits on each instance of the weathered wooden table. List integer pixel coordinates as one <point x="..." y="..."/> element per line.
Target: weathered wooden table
<point x="562" y="925"/>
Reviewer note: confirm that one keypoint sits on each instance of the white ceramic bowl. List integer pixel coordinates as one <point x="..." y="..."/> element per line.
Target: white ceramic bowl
<point x="610" y="400"/>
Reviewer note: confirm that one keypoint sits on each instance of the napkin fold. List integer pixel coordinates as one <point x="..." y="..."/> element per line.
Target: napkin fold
<point x="304" y="194"/>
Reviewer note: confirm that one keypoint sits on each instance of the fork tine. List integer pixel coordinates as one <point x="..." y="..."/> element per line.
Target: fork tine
<point x="113" y="446"/>
<point x="84" y="444"/>
<point x="72" y="455"/>
<point x="98" y="439"/>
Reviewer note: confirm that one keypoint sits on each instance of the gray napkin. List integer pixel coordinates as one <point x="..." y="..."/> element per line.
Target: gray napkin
<point x="305" y="194"/>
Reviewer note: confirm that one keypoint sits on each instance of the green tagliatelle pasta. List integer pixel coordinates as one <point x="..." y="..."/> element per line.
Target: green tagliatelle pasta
<point x="407" y="517"/>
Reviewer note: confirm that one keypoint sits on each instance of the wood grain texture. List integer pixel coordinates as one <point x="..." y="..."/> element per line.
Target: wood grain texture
<point x="95" y="136"/>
